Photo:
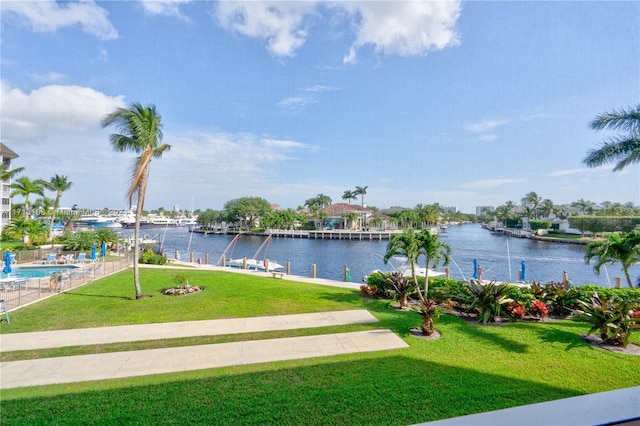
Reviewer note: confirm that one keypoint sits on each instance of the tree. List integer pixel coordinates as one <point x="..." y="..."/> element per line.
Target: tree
<point x="532" y="200"/>
<point x="349" y="195"/>
<point x="59" y="184"/>
<point x="616" y="248"/>
<point x="247" y="210"/>
<point x="622" y="149"/>
<point x="350" y="219"/>
<point x="138" y="129"/>
<point x="503" y="213"/>
<point x="546" y="208"/>
<point x="405" y="244"/>
<point x="583" y="205"/>
<point x="434" y="251"/>
<point x="25" y="187"/>
<point x="361" y="191"/>
<point x="323" y="200"/>
<point x="6" y="174"/>
<point x="31" y="231"/>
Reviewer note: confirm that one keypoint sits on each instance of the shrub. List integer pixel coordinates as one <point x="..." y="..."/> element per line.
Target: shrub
<point x="560" y="300"/>
<point x="402" y="287"/>
<point x="520" y="294"/>
<point x="369" y="290"/>
<point x="378" y="280"/>
<point x="516" y="310"/>
<point x="614" y="318"/>
<point x="151" y="258"/>
<point x="488" y="299"/>
<point x="539" y="308"/>
<point x="430" y="313"/>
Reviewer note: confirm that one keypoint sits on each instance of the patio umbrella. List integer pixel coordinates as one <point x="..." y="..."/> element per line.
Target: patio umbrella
<point x="523" y="268"/>
<point x="93" y="252"/>
<point x="475" y="269"/>
<point x="7" y="262"/>
<point x="103" y="249"/>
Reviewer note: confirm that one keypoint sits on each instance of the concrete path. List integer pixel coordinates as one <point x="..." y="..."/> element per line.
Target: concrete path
<point x="171" y="330"/>
<point x="157" y="361"/>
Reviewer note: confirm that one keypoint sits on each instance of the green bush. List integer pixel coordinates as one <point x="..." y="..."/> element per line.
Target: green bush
<point x="614" y="318"/>
<point x="489" y="300"/>
<point x="151" y="258"/>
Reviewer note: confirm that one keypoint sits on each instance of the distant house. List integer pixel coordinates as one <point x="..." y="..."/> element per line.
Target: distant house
<point x="336" y="215"/>
<point x="6" y="155"/>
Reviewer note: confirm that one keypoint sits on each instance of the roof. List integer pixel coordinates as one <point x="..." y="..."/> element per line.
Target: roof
<point x="6" y="152"/>
<point x="338" y="209"/>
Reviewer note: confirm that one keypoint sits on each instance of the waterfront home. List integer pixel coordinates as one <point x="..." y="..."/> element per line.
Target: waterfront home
<point x="337" y="216"/>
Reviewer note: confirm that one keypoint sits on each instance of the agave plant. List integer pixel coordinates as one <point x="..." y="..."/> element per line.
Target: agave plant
<point x="402" y="287"/>
<point x="614" y="319"/>
<point x="489" y="299"/>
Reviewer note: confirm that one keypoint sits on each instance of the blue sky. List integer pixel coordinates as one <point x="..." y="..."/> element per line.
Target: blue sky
<point x="459" y="103"/>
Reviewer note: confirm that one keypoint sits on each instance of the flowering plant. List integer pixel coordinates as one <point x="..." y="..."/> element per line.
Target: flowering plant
<point x="516" y="310"/>
<point x="539" y="308"/>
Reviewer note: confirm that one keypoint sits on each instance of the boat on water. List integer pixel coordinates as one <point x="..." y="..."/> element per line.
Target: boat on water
<point x="152" y="222"/>
<point x="400" y="264"/>
<point x="256" y="262"/>
<point x="96" y="220"/>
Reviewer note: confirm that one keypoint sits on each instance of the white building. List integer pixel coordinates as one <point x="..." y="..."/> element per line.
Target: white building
<point x="6" y="155"/>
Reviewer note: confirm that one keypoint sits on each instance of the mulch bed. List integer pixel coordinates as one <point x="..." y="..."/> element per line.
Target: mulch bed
<point x="593" y="340"/>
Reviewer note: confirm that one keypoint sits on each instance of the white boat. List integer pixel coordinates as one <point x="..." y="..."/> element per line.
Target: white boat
<point x="96" y="220"/>
<point x="399" y="264"/>
<point x="254" y="262"/>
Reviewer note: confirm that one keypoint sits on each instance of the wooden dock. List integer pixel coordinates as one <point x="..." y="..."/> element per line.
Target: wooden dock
<point x="314" y="235"/>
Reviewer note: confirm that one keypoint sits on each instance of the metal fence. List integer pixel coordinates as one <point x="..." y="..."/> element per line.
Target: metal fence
<point x="18" y="291"/>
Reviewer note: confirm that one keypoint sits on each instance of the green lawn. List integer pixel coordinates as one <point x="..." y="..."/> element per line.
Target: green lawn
<point x="469" y="369"/>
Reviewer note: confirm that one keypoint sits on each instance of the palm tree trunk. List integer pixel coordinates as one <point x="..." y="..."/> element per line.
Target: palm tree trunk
<point x="136" y="250"/>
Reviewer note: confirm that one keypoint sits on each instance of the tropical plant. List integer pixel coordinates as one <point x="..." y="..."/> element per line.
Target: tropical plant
<point x="404" y="244"/>
<point x="32" y="232"/>
<point x="24" y="186"/>
<point x="489" y="300"/>
<point x="350" y="220"/>
<point x="539" y="308"/>
<point x="138" y="129"/>
<point x="402" y="287"/>
<point x="613" y="319"/>
<point x="79" y="240"/>
<point x="361" y="191"/>
<point x="616" y="248"/>
<point x="349" y="195"/>
<point x="622" y="149"/>
<point x="430" y="313"/>
<point x="59" y="184"/>
<point x="583" y="205"/>
<point x="516" y="310"/>
<point x="6" y="174"/>
<point x="434" y="251"/>
<point x="532" y="200"/>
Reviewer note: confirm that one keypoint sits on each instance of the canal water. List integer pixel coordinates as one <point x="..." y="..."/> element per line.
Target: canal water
<point x="499" y="256"/>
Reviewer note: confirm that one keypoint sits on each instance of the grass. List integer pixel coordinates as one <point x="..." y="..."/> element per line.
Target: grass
<point x="469" y="369"/>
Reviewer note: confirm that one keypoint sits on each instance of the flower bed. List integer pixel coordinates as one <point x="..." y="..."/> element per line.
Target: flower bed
<point x="182" y="290"/>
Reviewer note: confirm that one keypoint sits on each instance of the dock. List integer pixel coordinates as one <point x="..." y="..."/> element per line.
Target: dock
<point x="334" y="234"/>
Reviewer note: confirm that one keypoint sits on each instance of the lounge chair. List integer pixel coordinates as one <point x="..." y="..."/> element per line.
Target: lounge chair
<point x="51" y="258"/>
<point x="82" y="258"/>
<point x="69" y="258"/>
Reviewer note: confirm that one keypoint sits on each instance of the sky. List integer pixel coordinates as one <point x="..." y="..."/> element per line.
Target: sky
<point x="461" y="103"/>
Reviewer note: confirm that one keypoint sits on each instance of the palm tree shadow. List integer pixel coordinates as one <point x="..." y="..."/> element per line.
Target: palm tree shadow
<point x="68" y="293"/>
<point x="479" y="331"/>
<point x="572" y="340"/>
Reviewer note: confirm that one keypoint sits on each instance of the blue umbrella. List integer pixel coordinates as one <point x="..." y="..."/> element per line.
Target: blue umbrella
<point x="93" y="252"/>
<point x="7" y="262"/>
<point x="103" y="249"/>
<point x="523" y="267"/>
<point x="475" y="269"/>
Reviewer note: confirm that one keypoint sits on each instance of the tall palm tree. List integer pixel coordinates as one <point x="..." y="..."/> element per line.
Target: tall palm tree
<point x="139" y="129"/>
<point x="323" y="200"/>
<point x="532" y="200"/>
<point x="616" y="248"/>
<point x="546" y="208"/>
<point x="349" y="195"/>
<point x="405" y="244"/>
<point x="59" y="184"/>
<point x="25" y="187"/>
<point x="434" y="251"/>
<point x="361" y="191"/>
<point x="622" y="149"/>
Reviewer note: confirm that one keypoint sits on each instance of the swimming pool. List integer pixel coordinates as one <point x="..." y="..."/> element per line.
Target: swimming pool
<point x="38" y="271"/>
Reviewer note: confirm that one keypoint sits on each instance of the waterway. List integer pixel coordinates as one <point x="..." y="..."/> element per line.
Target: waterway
<point x="499" y="256"/>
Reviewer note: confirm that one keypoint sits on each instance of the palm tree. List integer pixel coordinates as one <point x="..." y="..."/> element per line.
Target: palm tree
<point x="8" y="174"/>
<point x="546" y="208"/>
<point x="25" y="187"/>
<point x="405" y="244"/>
<point x="139" y="129"/>
<point x="434" y="251"/>
<point x="532" y="200"/>
<point x="59" y="184"/>
<point x="361" y="191"/>
<point x="616" y="248"/>
<point x="323" y="200"/>
<point x="349" y="195"/>
<point x="350" y="219"/>
<point x="503" y="213"/>
<point x="624" y="150"/>
<point x="583" y="205"/>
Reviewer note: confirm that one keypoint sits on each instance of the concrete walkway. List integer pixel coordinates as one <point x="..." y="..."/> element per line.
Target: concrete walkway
<point x="70" y="369"/>
<point x="172" y="330"/>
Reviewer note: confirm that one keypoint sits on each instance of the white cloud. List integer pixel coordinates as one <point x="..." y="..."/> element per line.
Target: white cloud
<point x="404" y="28"/>
<point x="50" y="16"/>
<point x="486" y="126"/>
<point x="320" y="88"/>
<point x="280" y="23"/>
<point x="64" y="108"/>
<point x="52" y="77"/>
<point x="296" y="103"/>
<point x="164" y="7"/>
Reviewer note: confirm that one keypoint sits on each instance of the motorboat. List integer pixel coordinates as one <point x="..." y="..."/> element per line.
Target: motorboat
<point x="255" y="262"/>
